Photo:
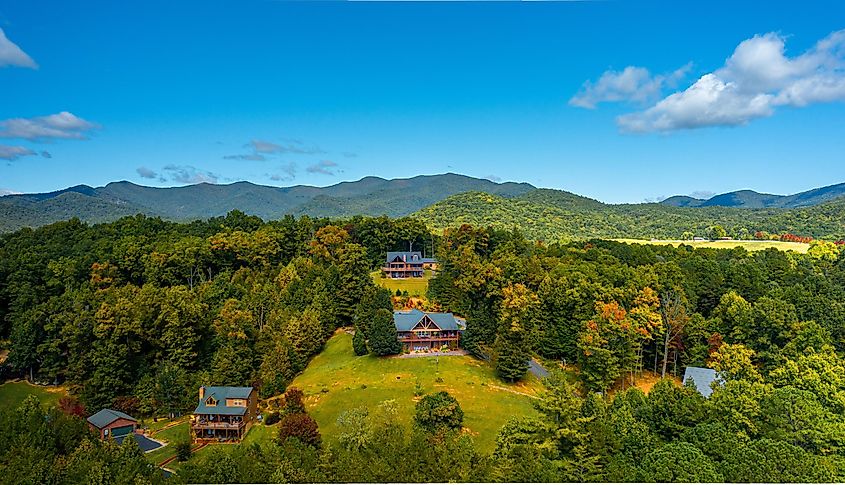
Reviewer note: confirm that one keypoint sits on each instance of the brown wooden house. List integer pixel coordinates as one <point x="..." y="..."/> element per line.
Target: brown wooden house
<point x="224" y="413"/>
<point x="418" y="330"/>
<point x="403" y="264"/>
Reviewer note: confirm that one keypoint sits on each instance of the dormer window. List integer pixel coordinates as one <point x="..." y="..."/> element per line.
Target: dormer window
<point x="211" y="401"/>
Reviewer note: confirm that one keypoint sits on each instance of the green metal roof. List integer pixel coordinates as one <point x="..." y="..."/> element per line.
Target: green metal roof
<point x="405" y="320"/>
<point x="220" y="394"/>
<point x="105" y="417"/>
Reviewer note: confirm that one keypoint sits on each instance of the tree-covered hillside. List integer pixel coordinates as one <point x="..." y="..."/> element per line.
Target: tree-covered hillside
<point x="551" y="215"/>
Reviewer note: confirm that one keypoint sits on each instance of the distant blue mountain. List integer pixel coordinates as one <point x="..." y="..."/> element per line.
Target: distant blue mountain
<point x="749" y="199"/>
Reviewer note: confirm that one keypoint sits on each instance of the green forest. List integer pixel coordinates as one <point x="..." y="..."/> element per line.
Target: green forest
<point x="555" y="215"/>
<point x="136" y="314"/>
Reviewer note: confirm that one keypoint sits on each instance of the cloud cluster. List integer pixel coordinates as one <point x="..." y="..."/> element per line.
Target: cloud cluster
<point x="12" y="55"/>
<point x="261" y="149"/>
<point x="13" y="152"/>
<point x="325" y="167"/>
<point x="757" y="79"/>
<point x="631" y="84"/>
<point x="187" y="174"/>
<point x="284" y="173"/>
<point x="64" y="125"/>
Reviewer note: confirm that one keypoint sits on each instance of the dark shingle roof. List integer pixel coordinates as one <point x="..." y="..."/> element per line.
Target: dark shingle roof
<point x="405" y="320"/>
<point x="429" y="260"/>
<point x="220" y="394"/>
<point x="105" y="417"/>
<point x="702" y="378"/>
<point x="406" y="256"/>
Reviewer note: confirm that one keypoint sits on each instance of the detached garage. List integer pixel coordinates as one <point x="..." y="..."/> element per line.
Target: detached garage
<point x="110" y="423"/>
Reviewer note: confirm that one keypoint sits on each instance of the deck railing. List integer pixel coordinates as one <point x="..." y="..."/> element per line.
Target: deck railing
<point x="216" y="425"/>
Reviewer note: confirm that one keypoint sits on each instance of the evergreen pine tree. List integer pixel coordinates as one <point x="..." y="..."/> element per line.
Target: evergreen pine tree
<point x="512" y="355"/>
<point x="383" y="339"/>
<point x="359" y="342"/>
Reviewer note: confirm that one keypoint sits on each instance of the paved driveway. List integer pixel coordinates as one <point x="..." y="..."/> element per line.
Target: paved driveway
<point x="538" y="370"/>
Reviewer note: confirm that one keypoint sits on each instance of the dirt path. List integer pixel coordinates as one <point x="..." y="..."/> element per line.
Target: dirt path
<point x="512" y="391"/>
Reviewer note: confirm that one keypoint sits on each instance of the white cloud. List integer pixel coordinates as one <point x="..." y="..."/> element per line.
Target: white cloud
<point x="12" y="55"/>
<point x="187" y="174"/>
<point x="261" y="149"/>
<point x="631" y="84"/>
<point x="62" y="125"/>
<point x="757" y="79"/>
<point x="8" y="192"/>
<point x="325" y="167"/>
<point x="11" y="153"/>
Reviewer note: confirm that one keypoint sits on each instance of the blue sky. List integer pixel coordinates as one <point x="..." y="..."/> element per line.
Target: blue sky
<point x="679" y="98"/>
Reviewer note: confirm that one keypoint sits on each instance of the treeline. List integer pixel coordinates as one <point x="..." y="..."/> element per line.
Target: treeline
<point x="553" y="216"/>
<point x="136" y="314"/>
<point x="617" y="309"/>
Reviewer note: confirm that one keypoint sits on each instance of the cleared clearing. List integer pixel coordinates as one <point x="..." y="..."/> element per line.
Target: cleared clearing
<point x="747" y="245"/>
<point x="337" y="380"/>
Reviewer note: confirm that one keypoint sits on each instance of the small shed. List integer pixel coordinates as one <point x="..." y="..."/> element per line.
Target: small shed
<point x="702" y="378"/>
<point x="108" y="422"/>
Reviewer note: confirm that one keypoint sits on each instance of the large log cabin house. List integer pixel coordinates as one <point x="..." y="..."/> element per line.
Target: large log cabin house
<point x="407" y="264"/>
<point x="418" y="330"/>
<point x="224" y="413"/>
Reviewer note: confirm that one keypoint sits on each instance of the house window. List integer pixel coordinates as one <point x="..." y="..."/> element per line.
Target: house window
<point x="210" y="402"/>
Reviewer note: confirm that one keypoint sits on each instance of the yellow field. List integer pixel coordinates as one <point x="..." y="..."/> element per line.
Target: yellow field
<point x="748" y="245"/>
<point x="414" y="286"/>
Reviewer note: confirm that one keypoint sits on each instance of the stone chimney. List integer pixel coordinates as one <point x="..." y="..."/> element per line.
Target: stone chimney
<point x="202" y="392"/>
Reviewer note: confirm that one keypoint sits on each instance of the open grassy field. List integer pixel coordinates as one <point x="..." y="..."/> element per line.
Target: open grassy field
<point x="14" y="393"/>
<point x="337" y="380"/>
<point x="748" y="245"/>
<point x="414" y="286"/>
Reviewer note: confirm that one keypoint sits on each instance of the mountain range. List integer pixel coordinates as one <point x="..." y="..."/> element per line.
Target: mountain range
<point x="443" y="201"/>
<point x="369" y="196"/>
<point x="749" y="199"/>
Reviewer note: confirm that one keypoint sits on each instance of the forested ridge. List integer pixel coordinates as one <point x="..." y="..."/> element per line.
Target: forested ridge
<point x="137" y="313"/>
<point x="553" y="216"/>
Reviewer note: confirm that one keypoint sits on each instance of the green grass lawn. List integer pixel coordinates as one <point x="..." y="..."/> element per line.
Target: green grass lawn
<point x="414" y="286"/>
<point x="337" y="380"/>
<point x="748" y="245"/>
<point x="258" y="433"/>
<point x="14" y="393"/>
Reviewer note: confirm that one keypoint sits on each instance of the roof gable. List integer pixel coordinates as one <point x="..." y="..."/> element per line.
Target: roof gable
<point x="426" y="323"/>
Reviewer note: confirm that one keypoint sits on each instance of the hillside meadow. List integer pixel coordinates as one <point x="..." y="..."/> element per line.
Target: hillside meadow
<point x="337" y="380"/>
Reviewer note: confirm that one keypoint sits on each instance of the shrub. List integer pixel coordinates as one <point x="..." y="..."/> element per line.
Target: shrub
<point x="272" y="418"/>
<point x="183" y="450"/>
<point x="438" y="411"/>
<point x="293" y="401"/>
<point x="300" y="426"/>
<point x="72" y="407"/>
